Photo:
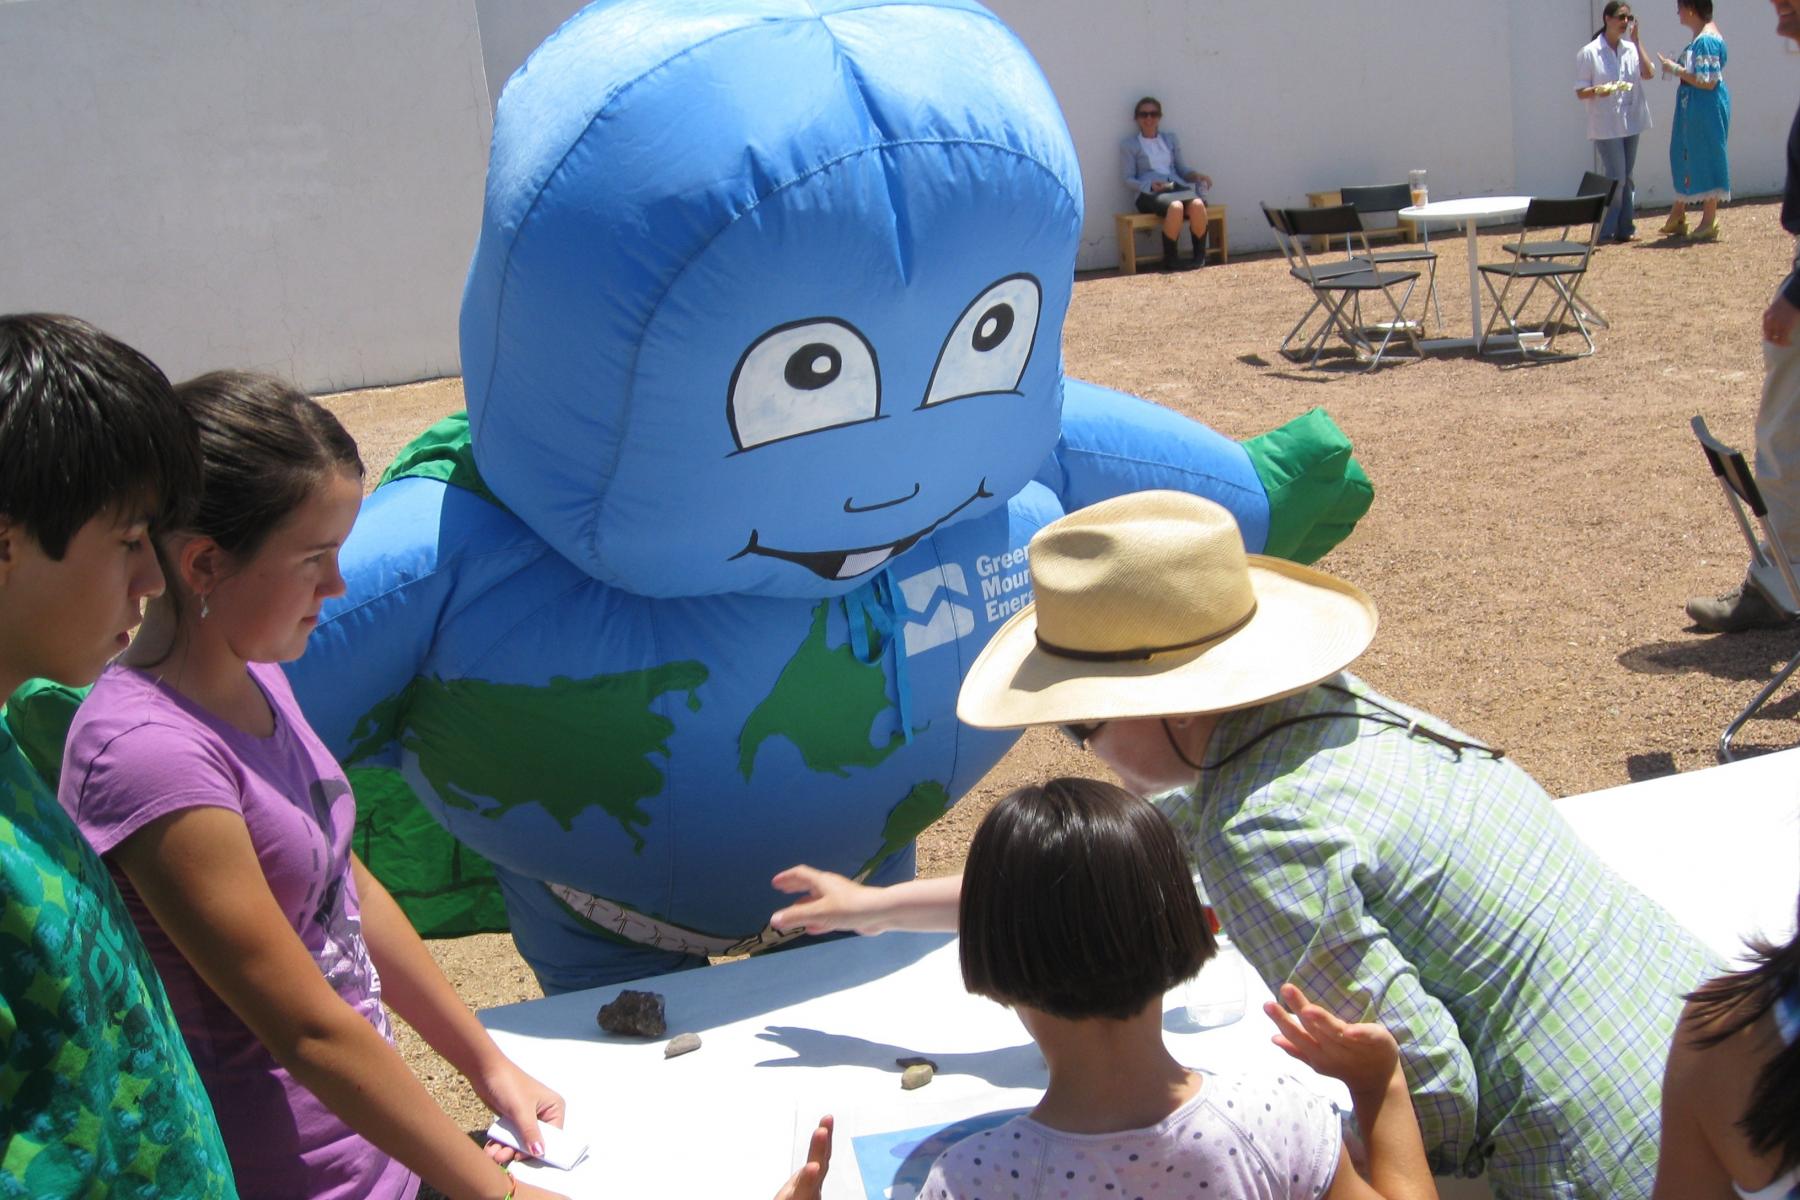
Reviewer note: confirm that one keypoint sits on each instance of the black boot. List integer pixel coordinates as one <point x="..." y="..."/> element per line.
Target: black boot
<point x="1199" y="250"/>
<point x="1171" y="248"/>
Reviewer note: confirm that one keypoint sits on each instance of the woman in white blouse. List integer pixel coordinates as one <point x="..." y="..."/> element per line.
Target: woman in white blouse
<point x="1607" y="72"/>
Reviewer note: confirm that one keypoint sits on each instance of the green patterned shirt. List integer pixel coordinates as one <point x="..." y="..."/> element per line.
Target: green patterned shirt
<point x="1394" y="879"/>
<point x="98" y="1096"/>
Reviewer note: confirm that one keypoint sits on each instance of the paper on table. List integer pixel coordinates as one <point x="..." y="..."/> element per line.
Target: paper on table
<point x="562" y="1149"/>
<point x="885" y="1151"/>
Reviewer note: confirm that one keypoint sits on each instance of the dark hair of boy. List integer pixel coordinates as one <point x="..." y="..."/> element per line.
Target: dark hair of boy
<point x="87" y="425"/>
<point x="1730" y="1003"/>
<point x="265" y="446"/>
<point x="1077" y="901"/>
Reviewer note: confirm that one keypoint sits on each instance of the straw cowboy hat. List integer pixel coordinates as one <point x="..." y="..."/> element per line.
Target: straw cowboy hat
<point x="1147" y="606"/>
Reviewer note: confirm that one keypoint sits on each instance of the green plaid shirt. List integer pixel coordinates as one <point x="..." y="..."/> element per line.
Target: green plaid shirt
<point x="1533" y="992"/>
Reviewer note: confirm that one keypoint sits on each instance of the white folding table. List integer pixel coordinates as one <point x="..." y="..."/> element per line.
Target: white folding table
<point x="1469" y="213"/>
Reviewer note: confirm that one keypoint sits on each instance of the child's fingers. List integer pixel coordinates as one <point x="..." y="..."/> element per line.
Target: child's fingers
<point x="796" y="879"/>
<point x="1287" y="1028"/>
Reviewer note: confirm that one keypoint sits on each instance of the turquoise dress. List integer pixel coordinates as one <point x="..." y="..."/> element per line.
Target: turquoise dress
<point x="1697" y="162"/>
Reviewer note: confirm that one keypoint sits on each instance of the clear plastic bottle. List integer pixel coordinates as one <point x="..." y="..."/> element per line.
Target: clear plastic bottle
<point x="1215" y="996"/>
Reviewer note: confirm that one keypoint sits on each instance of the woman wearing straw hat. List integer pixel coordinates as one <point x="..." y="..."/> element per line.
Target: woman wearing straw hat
<point x="1370" y="854"/>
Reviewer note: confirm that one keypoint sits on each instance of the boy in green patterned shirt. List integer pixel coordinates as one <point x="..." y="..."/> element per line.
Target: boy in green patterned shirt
<point x="98" y="1096"/>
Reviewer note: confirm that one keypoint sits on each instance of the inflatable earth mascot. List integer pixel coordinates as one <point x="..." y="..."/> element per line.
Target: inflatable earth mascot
<point x="761" y="348"/>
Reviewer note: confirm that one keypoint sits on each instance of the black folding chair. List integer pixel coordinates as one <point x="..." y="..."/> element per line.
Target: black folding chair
<point x="1592" y="184"/>
<point x="1339" y="286"/>
<point x="1563" y="274"/>
<point x="1391" y="198"/>
<point x="1318" y="269"/>
<point x="1740" y="489"/>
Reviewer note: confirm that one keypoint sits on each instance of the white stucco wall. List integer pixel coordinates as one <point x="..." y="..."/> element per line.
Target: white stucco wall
<point x="297" y="186"/>
<point x="255" y="183"/>
<point x="1275" y="101"/>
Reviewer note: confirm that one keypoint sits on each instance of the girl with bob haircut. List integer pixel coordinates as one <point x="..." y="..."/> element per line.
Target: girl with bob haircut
<point x="1078" y="911"/>
<point x="1731" y="1095"/>
<point x="227" y="826"/>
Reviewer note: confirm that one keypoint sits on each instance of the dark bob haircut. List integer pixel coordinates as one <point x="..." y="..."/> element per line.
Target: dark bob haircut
<point x="87" y="425"/>
<point x="1703" y="8"/>
<point x="1077" y="901"/>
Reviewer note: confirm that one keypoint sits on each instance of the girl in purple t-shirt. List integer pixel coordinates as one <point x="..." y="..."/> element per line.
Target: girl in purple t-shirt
<point x="1078" y="912"/>
<point x="227" y="825"/>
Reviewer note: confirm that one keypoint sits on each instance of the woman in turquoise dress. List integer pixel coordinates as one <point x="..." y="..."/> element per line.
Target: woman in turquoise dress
<point x="1697" y="161"/>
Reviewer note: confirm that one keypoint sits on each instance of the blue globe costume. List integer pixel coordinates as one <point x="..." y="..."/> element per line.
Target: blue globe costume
<point x="761" y="349"/>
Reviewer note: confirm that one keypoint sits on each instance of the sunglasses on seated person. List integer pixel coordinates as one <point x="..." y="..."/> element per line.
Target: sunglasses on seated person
<point x="1143" y="112"/>
<point x="1081" y="732"/>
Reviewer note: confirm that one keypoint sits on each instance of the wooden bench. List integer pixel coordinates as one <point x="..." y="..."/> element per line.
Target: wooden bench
<point x="1128" y="225"/>
<point x="1405" y="230"/>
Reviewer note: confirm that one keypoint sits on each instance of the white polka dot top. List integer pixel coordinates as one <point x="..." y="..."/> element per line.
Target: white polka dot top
<point x="1239" y="1137"/>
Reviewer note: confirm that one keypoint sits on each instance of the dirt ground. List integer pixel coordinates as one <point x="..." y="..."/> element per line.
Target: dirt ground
<point x="1535" y="530"/>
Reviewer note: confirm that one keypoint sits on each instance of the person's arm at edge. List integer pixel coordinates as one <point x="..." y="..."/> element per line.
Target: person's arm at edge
<point x="1366" y="1059"/>
<point x="1688" y="1166"/>
<point x="830" y="903"/>
<point x="198" y="873"/>
<point x="414" y="986"/>
<point x="1645" y="70"/>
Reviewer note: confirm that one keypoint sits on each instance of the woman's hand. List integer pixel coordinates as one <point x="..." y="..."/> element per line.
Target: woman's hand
<point x="807" y="1181"/>
<point x="1364" y="1056"/>
<point x="513" y="1094"/>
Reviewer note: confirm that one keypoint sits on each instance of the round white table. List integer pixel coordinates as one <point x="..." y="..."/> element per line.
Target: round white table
<point x="1467" y="212"/>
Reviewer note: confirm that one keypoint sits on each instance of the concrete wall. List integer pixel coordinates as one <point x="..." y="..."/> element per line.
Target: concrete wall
<point x="258" y="183"/>
<point x="297" y="186"/>
<point x="1274" y="101"/>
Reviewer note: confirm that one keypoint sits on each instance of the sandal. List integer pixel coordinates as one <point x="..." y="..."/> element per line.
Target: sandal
<point x="1675" y="226"/>
<point x="1706" y="233"/>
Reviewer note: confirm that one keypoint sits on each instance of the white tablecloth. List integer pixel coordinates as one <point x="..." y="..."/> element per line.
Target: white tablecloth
<point x="793" y="1035"/>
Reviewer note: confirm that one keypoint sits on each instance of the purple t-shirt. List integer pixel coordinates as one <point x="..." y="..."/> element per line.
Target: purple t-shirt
<point x="139" y="751"/>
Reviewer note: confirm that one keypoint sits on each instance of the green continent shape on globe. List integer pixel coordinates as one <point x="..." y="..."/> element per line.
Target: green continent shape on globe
<point x="445" y="888"/>
<point x="567" y="746"/>
<point x="824" y="701"/>
<point x="924" y="804"/>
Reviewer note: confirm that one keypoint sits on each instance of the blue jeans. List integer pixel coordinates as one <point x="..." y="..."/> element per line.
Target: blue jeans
<point x="1617" y="157"/>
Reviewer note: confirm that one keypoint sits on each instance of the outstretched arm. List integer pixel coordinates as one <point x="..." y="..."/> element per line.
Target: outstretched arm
<point x="830" y="903"/>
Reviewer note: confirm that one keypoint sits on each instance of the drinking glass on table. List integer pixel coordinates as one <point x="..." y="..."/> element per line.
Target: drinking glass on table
<point x="1421" y="195"/>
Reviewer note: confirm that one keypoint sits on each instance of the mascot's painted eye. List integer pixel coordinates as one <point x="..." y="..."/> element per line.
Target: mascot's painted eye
<point x="801" y="378"/>
<point x="987" y="350"/>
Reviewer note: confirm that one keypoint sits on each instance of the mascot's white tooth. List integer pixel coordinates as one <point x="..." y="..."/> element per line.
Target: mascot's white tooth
<point x="868" y="560"/>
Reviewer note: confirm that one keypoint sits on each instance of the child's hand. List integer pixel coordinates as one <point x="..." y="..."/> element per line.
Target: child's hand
<point x="831" y="903"/>
<point x="513" y="1094"/>
<point x="1364" y="1056"/>
<point x="807" y="1181"/>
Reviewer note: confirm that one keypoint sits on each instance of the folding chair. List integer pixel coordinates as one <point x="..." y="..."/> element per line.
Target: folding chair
<point x="1340" y="285"/>
<point x="1562" y="274"/>
<point x="1740" y="489"/>
<point x="1319" y="268"/>
<point x="1592" y="184"/>
<point x="1391" y="198"/>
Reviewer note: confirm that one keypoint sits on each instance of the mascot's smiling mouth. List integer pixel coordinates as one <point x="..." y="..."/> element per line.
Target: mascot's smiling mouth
<point x="847" y="564"/>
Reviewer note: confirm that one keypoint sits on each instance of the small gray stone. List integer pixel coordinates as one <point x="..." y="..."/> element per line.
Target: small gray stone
<point x="681" y="1043"/>
<point x="916" y="1076"/>
<point x="634" y="1014"/>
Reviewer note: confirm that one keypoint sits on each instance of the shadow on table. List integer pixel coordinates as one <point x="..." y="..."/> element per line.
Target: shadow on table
<point x="707" y="997"/>
<point x="1008" y="1067"/>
